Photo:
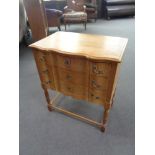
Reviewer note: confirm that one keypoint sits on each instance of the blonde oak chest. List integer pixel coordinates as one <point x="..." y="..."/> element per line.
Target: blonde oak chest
<point x="83" y="66"/>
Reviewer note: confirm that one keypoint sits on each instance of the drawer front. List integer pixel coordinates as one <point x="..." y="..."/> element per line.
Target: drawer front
<point x="40" y="60"/>
<point x="100" y="69"/>
<point x="71" y="77"/>
<point x="98" y="97"/>
<point x="47" y="79"/>
<point x="72" y="90"/>
<point x="45" y="72"/>
<point x="98" y="83"/>
<point x="70" y="63"/>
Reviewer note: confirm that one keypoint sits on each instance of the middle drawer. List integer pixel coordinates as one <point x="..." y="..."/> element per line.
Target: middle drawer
<point x="98" y="83"/>
<point x="72" y="77"/>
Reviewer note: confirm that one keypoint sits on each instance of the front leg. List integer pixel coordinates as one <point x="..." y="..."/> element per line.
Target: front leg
<point x="113" y="98"/>
<point x="105" y="117"/>
<point x="47" y="99"/>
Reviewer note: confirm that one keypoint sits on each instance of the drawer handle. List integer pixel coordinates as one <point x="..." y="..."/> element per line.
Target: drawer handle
<point x="95" y="70"/>
<point x="95" y="85"/>
<point x="48" y="82"/>
<point x="67" y="62"/>
<point x="97" y="97"/>
<point x="45" y="71"/>
<point x="42" y="59"/>
<point x="68" y="77"/>
<point x="69" y="89"/>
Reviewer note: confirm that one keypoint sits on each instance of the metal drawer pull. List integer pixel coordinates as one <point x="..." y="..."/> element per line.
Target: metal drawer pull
<point x="67" y="62"/>
<point x="68" y="77"/>
<point x="69" y="89"/>
<point x="95" y="70"/>
<point x="97" y="97"/>
<point x="42" y="59"/>
<point x="94" y="84"/>
<point x="48" y="82"/>
<point x="45" y="71"/>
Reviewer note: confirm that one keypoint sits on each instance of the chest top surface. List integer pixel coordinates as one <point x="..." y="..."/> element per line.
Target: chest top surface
<point x="91" y="46"/>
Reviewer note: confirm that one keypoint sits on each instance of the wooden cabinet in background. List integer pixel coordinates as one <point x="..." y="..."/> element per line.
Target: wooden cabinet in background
<point x="80" y="65"/>
<point x="35" y="11"/>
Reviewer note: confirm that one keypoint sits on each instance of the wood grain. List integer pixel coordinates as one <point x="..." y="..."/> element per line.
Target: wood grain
<point x="82" y="66"/>
<point x="37" y="18"/>
<point x="91" y="46"/>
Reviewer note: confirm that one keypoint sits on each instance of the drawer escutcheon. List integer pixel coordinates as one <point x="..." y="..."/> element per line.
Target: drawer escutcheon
<point x="67" y="62"/>
<point x="96" y="71"/>
<point x="94" y="84"/>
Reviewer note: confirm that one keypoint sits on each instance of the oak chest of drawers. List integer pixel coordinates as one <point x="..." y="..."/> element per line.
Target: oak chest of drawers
<point x="80" y="65"/>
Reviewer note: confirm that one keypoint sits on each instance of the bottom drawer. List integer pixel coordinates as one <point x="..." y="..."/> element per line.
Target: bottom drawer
<point x="98" y="97"/>
<point x="75" y="91"/>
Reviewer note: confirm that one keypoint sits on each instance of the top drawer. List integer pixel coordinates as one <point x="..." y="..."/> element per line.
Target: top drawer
<point x="70" y="63"/>
<point x="100" y="68"/>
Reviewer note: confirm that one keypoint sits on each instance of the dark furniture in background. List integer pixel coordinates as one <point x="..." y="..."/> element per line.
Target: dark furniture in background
<point x="113" y="8"/>
<point x="54" y="4"/>
<point x="59" y="5"/>
<point x="53" y="17"/>
<point x="91" y="9"/>
<point x="74" y="12"/>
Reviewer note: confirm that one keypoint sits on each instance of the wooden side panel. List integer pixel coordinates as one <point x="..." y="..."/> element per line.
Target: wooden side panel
<point x="115" y="79"/>
<point x="112" y="82"/>
<point x="37" y="18"/>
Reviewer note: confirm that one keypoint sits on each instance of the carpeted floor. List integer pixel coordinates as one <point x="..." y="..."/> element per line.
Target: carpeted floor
<point x="51" y="133"/>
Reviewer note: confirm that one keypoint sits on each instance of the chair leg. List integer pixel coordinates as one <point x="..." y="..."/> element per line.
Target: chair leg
<point x="48" y="32"/>
<point x="85" y="24"/>
<point x="59" y="28"/>
<point x="65" y="24"/>
<point x="108" y="18"/>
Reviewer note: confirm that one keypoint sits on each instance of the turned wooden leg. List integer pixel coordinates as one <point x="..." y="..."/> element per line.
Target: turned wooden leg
<point x="112" y="101"/>
<point x="105" y="117"/>
<point x="113" y="98"/>
<point x="47" y="99"/>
